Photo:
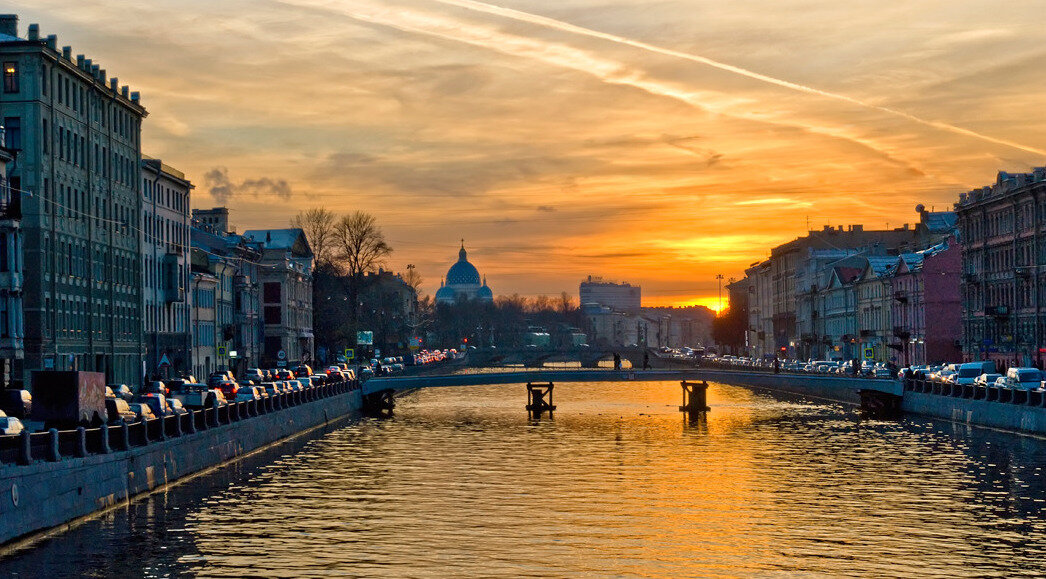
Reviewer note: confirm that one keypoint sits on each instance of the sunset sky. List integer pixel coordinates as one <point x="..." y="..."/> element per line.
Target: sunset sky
<point x="656" y="142"/>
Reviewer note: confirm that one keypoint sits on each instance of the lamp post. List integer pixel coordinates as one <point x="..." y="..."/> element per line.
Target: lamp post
<point x="719" y="278"/>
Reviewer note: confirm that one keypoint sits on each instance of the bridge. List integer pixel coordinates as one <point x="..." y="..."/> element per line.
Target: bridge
<point x="882" y="395"/>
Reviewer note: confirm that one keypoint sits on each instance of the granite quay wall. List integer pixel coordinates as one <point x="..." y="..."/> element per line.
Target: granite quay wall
<point x="1003" y="408"/>
<point x="51" y="478"/>
<point x="836" y="388"/>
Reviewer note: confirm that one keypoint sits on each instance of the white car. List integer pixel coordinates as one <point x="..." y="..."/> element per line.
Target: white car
<point x="10" y="425"/>
<point x="1023" y="378"/>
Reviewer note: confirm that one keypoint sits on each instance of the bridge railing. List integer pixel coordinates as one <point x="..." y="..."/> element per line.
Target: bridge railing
<point x="55" y="445"/>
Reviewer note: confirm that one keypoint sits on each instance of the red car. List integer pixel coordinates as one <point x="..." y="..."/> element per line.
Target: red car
<point x="228" y="388"/>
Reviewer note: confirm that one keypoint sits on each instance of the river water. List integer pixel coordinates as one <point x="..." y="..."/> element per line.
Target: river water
<point x="461" y="483"/>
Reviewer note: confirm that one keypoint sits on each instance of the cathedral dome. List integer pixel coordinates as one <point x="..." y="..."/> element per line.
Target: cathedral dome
<point x="463" y="272"/>
<point x="484" y="293"/>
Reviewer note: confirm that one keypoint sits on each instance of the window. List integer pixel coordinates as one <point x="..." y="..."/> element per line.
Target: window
<point x="13" y="132"/>
<point x="273" y="315"/>
<point x="10" y="77"/>
<point x="272" y="294"/>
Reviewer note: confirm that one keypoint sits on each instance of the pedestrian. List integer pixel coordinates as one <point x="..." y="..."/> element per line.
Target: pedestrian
<point x="617" y="361"/>
<point x="777" y="365"/>
<point x="646" y="360"/>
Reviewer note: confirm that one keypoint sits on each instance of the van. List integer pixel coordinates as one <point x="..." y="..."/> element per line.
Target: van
<point x="1023" y="378"/>
<point x="967" y="373"/>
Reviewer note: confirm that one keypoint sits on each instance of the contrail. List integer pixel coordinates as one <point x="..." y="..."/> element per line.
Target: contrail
<point x="552" y="23"/>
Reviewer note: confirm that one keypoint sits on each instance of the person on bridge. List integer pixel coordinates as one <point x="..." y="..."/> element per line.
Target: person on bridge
<point x="646" y="360"/>
<point x="617" y="361"/>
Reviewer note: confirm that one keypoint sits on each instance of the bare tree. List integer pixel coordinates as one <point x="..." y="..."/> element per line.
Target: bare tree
<point x="360" y="248"/>
<point x="413" y="278"/>
<point x="319" y="226"/>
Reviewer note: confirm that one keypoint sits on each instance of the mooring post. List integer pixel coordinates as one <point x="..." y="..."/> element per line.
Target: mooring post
<point x="695" y="396"/>
<point x="536" y="393"/>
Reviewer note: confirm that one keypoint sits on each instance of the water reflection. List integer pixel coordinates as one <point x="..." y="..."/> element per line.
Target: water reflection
<point x="618" y="482"/>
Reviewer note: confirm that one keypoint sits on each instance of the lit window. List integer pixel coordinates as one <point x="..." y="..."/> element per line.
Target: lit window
<point x="10" y="77"/>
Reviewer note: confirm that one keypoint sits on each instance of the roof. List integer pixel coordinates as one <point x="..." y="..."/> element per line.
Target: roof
<point x="292" y="239"/>
<point x="940" y="221"/>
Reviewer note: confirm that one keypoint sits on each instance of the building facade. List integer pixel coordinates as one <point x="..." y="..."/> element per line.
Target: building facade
<point x="620" y="297"/>
<point x="11" y="263"/>
<point x="285" y="278"/>
<point x="164" y="228"/>
<point x="77" y="134"/>
<point x="1003" y="290"/>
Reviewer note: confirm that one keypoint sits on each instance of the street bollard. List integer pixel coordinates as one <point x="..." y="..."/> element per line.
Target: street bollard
<point x="53" y="452"/>
<point x="81" y="441"/>
<point x="125" y="436"/>
<point x="25" y="448"/>
<point x="104" y="433"/>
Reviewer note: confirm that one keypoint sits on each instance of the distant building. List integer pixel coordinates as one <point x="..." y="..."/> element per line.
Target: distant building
<point x="214" y="220"/>
<point x="164" y="227"/>
<point x="234" y="263"/>
<point x="1002" y="228"/>
<point x="926" y="306"/>
<point x="78" y="137"/>
<point x="204" y="317"/>
<point x="790" y="293"/>
<point x="285" y="275"/>
<point x="463" y="283"/>
<point x="620" y="297"/>
<point x="11" y="263"/>
<point x="393" y="306"/>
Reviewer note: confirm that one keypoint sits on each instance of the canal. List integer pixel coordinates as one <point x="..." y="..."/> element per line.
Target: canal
<point x="462" y="483"/>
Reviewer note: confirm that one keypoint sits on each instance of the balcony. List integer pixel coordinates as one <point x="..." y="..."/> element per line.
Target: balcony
<point x="901" y="296"/>
<point x="997" y="311"/>
<point x="11" y="205"/>
<point x="902" y="333"/>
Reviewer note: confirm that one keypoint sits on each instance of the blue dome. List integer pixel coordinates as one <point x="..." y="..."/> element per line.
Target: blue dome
<point x="484" y="293"/>
<point x="462" y="272"/>
<point x="445" y="294"/>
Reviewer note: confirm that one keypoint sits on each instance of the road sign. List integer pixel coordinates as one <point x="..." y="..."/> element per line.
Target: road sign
<point x="869" y="353"/>
<point x="350" y="354"/>
<point x="221" y="350"/>
<point x="281" y="355"/>
<point x="165" y="362"/>
<point x="365" y="338"/>
<point x="281" y="363"/>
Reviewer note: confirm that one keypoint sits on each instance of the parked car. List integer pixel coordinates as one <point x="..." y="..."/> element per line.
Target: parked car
<point x="10" y="425"/>
<point x="303" y="370"/>
<point x="1024" y="378"/>
<point x="157" y="403"/>
<point x="227" y="387"/>
<point x="987" y="379"/>
<point x="119" y="411"/>
<point x="248" y="393"/>
<point x="17" y="403"/>
<point x="141" y="411"/>
<point x="255" y="375"/>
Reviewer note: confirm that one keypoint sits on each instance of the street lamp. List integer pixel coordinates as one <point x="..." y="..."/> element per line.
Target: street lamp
<point x="719" y="278"/>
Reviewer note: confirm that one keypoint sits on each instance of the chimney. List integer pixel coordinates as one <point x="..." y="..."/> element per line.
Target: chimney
<point x="67" y="53"/>
<point x="98" y="73"/>
<point x="114" y="83"/>
<point x="136" y="96"/>
<point x="34" y="32"/>
<point x="9" y="24"/>
<point x="126" y="92"/>
<point x="840" y="228"/>
<point x="858" y="228"/>
<point x="80" y="61"/>
<point x="52" y="41"/>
